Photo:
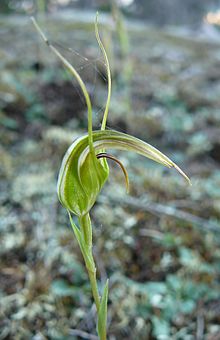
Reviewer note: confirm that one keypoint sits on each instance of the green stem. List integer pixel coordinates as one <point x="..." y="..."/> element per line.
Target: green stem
<point x="86" y="229"/>
<point x="95" y="292"/>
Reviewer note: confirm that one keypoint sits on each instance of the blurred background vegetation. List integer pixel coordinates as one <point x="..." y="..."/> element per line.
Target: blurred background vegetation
<point x="160" y="245"/>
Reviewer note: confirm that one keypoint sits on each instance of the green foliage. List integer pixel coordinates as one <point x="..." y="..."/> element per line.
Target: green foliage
<point x="61" y="289"/>
<point x="35" y="112"/>
<point x="102" y="313"/>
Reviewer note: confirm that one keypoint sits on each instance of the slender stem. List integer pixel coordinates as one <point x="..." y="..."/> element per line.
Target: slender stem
<point x="86" y="229"/>
<point x="95" y="292"/>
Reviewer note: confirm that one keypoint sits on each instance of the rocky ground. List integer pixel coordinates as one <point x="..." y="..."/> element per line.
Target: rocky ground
<point x="160" y="245"/>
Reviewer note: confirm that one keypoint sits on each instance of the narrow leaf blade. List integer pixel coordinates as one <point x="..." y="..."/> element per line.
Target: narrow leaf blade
<point x="102" y="314"/>
<point x="86" y="255"/>
<point x="76" y="230"/>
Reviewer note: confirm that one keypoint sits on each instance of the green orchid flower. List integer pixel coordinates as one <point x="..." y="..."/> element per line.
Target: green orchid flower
<point x="84" y="171"/>
<point x="84" y="168"/>
<point x="82" y="174"/>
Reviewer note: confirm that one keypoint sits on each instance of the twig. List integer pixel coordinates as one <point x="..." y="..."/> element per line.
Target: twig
<point x="160" y="209"/>
<point x="82" y="334"/>
<point x="200" y="327"/>
<point x="152" y="233"/>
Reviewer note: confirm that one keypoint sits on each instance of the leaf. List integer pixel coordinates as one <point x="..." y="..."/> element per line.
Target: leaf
<point x="75" y="229"/>
<point x="161" y="328"/>
<point x="62" y="288"/>
<point x="86" y="254"/>
<point x="102" y="314"/>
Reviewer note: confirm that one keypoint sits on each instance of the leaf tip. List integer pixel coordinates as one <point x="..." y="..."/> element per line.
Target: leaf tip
<point x="183" y="174"/>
